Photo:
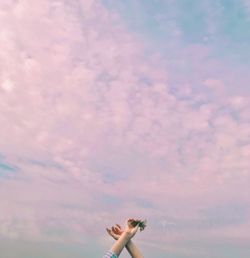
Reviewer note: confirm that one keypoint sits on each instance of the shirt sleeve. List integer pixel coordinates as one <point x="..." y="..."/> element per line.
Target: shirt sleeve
<point x="110" y="254"/>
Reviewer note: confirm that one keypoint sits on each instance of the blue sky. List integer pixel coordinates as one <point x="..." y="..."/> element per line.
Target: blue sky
<point x="169" y="28"/>
<point x="221" y="25"/>
<point x="113" y="109"/>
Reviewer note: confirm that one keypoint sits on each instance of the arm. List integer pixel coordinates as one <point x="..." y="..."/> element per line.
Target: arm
<point x="116" y="232"/>
<point x="129" y="231"/>
<point x="133" y="250"/>
<point x="120" y="243"/>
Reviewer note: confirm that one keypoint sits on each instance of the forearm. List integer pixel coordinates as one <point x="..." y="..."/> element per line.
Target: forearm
<point x="120" y="243"/>
<point x="133" y="250"/>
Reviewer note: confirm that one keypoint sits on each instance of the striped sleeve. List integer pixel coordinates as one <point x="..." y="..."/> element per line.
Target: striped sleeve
<point x="110" y="254"/>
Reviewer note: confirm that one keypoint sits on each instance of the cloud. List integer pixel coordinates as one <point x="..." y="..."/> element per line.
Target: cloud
<point x="92" y="124"/>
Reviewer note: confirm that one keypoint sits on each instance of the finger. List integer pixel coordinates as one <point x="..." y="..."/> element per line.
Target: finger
<point x="113" y="228"/>
<point x="116" y="230"/>
<point x="135" y="229"/>
<point x="136" y="222"/>
<point x="109" y="230"/>
<point x="129" y="221"/>
<point x="118" y="226"/>
<point x="119" y="231"/>
<point x="111" y="233"/>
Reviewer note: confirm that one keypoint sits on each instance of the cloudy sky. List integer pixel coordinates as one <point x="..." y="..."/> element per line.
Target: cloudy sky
<point x="112" y="109"/>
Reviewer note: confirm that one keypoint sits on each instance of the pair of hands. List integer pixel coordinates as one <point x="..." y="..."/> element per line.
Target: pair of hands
<point x="130" y="230"/>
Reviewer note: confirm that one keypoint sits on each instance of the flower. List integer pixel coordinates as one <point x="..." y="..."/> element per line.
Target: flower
<point x="142" y="224"/>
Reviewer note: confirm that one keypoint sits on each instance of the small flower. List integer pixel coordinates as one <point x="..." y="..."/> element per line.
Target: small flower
<point x="141" y="223"/>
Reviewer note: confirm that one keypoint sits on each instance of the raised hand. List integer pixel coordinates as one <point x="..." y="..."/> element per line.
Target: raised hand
<point x="123" y="237"/>
<point x="115" y="231"/>
<point x="131" y="228"/>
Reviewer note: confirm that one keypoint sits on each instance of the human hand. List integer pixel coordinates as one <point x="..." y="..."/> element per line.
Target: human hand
<point x="123" y="237"/>
<point x="115" y="231"/>
<point x="131" y="227"/>
<point x="142" y="224"/>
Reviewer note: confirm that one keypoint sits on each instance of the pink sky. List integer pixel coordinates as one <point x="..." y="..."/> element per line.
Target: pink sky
<point x="92" y="132"/>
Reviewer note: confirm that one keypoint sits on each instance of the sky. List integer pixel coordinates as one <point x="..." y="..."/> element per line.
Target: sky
<point x="113" y="109"/>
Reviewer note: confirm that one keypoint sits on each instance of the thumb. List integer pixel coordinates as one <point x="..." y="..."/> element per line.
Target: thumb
<point x="136" y="227"/>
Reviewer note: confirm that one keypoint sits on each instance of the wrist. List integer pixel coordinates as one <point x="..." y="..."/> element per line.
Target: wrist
<point x="127" y="235"/>
<point x="129" y="243"/>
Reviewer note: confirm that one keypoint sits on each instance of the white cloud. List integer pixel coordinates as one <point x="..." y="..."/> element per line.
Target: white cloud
<point x="7" y="85"/>
<point x="85" y="104"/>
